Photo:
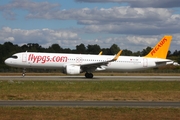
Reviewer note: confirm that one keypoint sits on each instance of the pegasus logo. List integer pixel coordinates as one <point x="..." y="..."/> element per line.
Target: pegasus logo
<point x="158" y="46"/>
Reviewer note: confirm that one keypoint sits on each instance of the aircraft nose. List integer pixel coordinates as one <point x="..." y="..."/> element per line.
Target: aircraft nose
<point x="7" y="61"/>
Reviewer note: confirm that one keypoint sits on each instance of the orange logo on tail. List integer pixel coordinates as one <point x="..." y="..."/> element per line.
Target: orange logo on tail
<point x="158" y="46"/>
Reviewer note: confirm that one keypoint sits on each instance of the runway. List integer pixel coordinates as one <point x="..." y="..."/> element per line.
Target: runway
<point x="96" y="78"/>
<point x="89" y="104"/>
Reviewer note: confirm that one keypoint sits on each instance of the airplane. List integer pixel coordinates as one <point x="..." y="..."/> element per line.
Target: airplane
<point x="78" y="63"/>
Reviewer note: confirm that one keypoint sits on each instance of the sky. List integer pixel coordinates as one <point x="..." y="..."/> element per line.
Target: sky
<point x="131" y="24"/>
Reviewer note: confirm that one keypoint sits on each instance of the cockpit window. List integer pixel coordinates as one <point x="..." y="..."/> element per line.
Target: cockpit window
<point x="14" y="56"/>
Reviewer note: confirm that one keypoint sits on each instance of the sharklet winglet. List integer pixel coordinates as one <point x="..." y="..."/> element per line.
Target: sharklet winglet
<point x="117" y="56"/>
<point x="100" y="53"/>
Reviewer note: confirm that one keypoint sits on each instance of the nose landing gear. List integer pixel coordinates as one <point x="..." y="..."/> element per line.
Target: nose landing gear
<point x="24" y="72"/>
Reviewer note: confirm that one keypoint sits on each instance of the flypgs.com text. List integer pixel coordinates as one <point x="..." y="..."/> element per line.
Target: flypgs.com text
<point x="44" y="59"/>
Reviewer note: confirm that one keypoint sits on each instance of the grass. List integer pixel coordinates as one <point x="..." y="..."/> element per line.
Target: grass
<point x="92" y="113"/>
<point x="90" y="90"/>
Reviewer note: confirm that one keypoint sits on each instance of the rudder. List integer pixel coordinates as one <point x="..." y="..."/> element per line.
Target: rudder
<point x="161" y="49"/>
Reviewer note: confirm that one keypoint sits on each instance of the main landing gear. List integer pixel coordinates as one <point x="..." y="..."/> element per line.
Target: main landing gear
<point x="88" y="75"/>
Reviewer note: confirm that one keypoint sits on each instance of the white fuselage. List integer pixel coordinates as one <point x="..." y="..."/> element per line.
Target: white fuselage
<point x="60" y="61"/>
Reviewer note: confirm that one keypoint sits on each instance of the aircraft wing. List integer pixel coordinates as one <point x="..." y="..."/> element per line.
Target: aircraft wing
<point x="93" y="66"/>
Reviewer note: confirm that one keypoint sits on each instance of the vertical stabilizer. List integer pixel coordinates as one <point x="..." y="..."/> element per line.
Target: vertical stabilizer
<point x="161" y="49"/>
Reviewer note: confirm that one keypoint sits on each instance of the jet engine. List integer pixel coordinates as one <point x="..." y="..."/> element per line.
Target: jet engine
<point x="70" y="69"/>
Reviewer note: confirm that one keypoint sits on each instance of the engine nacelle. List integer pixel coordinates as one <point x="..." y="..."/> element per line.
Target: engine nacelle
<point x="70" y="69"/>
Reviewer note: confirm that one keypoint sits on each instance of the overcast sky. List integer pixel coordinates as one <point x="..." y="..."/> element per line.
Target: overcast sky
<point x="131" y="24"/>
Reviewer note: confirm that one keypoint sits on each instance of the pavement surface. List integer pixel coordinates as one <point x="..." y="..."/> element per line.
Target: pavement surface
<point x="96" y="78"/>
<point x="90" y="104"/>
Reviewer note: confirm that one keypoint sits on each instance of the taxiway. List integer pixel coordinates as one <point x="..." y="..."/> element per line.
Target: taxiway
<point x="90" y="104"/>
<point x="96" y="78"/>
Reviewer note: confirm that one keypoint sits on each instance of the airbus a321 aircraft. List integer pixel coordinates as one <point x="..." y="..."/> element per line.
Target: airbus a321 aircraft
<point x="79" y="63"/>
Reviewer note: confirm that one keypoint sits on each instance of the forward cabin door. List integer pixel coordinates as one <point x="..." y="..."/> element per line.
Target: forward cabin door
<point x="24" y="57"/>
<point x="25" y="61"/>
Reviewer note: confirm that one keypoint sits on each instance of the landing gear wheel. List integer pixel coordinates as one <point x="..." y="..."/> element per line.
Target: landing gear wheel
<point x="24" y="72"/>
<point x="88" y="75"/>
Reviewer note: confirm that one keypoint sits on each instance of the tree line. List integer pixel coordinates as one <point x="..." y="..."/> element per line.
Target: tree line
<point x="8" y="48"/>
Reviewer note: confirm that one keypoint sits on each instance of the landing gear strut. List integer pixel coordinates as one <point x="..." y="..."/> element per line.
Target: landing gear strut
<point x="24" y="72"/>
<point x="88" y="75"/>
